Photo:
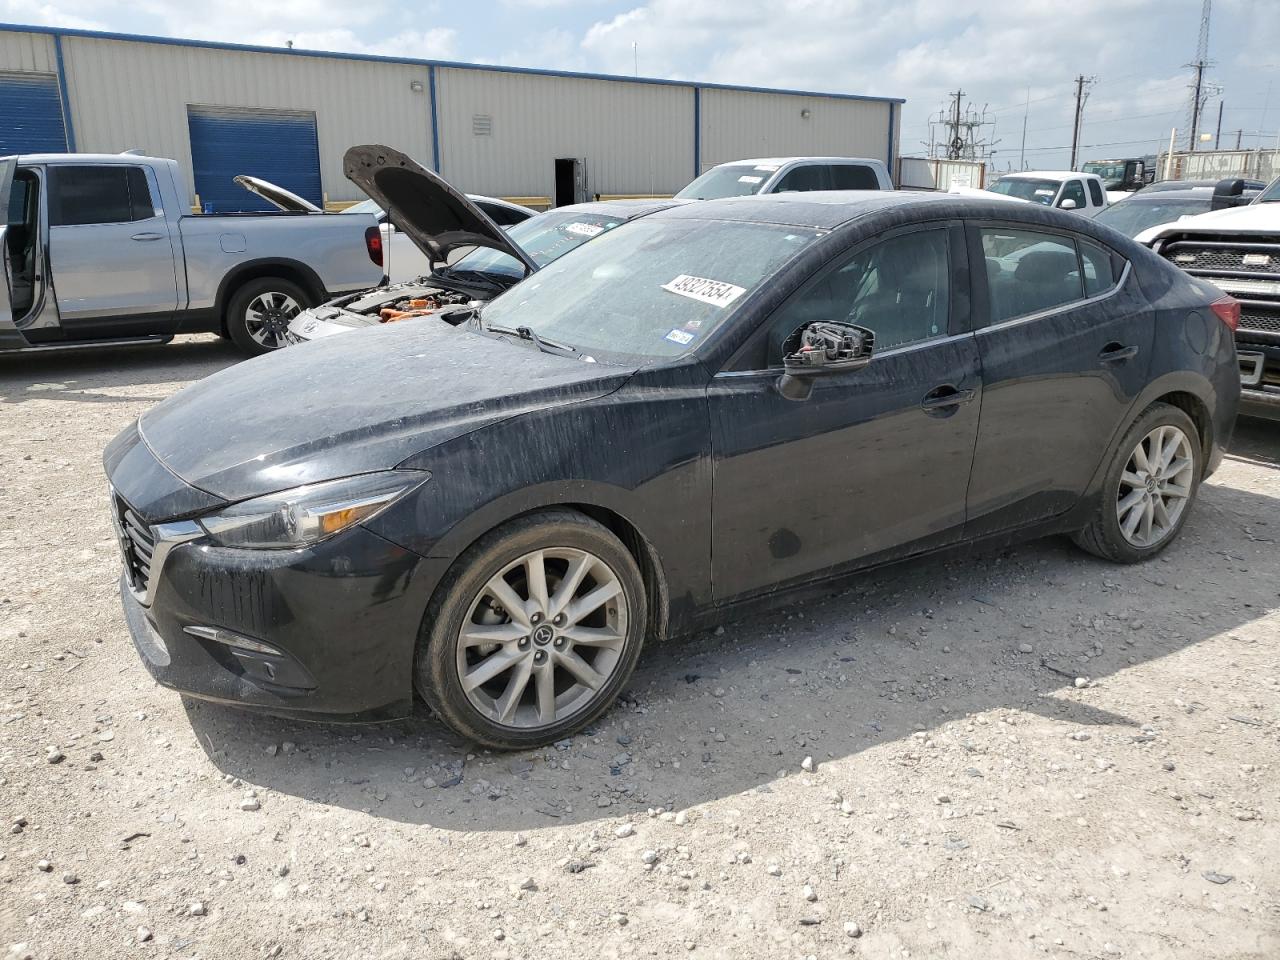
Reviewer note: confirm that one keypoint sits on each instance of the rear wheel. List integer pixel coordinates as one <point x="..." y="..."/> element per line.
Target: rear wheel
<point x="1149" y="488"/>
<point x="534" y="632"/>
<point x="259" y="313"/>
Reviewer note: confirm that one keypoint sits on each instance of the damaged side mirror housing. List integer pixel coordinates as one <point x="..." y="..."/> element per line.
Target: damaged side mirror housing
<point x="821" y="348"/>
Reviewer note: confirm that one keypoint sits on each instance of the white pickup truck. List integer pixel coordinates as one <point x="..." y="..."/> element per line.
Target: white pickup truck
<point x="103" y="249"/>
<point x="1238" y="250"/>
<point x="1081" y="193"/>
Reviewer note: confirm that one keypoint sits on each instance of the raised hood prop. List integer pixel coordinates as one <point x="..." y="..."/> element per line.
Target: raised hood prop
<point x="436" y="217"/>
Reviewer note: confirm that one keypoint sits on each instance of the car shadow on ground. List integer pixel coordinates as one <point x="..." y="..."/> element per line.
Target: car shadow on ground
<point x="110" y="374"/>
<point x="902" y="650"/>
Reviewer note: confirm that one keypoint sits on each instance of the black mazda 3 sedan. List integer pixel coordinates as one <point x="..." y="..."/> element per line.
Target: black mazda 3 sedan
<point x="692" y="416"/>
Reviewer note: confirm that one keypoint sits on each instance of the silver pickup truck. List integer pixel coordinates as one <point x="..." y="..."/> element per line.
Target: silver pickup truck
<point x="103" y="249"/>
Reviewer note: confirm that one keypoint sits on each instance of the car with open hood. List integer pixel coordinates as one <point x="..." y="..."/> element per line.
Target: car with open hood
<point x="698" y="415"/>
<point x="468" y="256"/>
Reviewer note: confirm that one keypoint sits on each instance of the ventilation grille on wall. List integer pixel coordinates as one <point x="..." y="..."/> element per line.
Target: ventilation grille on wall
<point x="481" y="125"/>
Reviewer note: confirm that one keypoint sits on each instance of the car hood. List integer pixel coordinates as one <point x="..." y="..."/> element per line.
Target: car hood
<point x="277" y="196"/>
<point x="1253" y="218"/>
<point x="436" y="217"/>
<point x="349" y="405"/>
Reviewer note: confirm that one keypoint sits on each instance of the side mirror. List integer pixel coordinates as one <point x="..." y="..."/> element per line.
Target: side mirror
<point x="820" y="348"/>
<point x="1228" y="193"/>
<point x="1068" y="204"/>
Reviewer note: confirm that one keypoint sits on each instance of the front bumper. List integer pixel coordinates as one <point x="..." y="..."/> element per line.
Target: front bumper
<point x="342" y="616"/>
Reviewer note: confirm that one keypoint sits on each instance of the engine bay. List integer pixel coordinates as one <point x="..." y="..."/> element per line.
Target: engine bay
<point x="405" y="302"/>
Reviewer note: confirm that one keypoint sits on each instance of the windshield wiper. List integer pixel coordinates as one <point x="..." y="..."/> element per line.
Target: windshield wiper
<point x="543" y="344"/>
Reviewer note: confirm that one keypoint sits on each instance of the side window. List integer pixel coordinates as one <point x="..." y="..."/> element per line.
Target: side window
<point x="501" y="215"/>
<point x="1073" y="190"/>
<point x="18" y="193"/>
<point x="1099" y="272"/>
<point x="809" y="177"/>
<point x="102" y="194"/>
<point x="853" y="176"/>
<point x="1029" y="271"/>
<point x="1095" y="193"/>
<point x="900" y="289"/>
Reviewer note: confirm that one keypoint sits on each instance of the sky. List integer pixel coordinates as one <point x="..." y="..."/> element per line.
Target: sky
<point x="1012" y="58"/>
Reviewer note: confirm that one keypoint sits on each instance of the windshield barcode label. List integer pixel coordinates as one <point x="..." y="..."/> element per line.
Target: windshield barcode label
<point x="716" y="292"/>
<point x="584" y="229"/>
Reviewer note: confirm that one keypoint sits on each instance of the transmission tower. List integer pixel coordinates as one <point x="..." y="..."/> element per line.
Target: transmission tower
<point x="963" y="125"/>
<point x="1199" y="65"/>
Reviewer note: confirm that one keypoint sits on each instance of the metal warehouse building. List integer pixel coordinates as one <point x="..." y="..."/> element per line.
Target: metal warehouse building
<point x="288" y="115"/>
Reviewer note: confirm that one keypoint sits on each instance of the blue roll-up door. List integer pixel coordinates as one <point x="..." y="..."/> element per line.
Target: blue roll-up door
<point x="276" y="145"/>
<point x="31" y="108"/>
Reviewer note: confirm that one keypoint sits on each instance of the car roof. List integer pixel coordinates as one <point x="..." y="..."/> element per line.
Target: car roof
<point x="780" y="161"/>
<point x="828" y="209"/>
<point x="1045" y="175"/>
<point x="82" y="158"/>
<point x="623" y="209"/>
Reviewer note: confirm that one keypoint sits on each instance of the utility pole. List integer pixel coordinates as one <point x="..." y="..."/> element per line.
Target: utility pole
<point x="1199" y="64"/>
<point x="1193" y="136"/>
<point x="1082" y="83"/>
<point x="1022" y="152"/>
<point x="1239" y="134"/>
<point x="1217" y="140"/>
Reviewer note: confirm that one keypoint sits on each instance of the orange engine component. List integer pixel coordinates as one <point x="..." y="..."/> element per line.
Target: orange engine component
<point x="417" y="308"/>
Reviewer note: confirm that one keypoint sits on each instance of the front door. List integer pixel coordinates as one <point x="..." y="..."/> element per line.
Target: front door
<point x="110" y="252"/>
<point x="875" y="462"/>
<point x="1065" y="349"/>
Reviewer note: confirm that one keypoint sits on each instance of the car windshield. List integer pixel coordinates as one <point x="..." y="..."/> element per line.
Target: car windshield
<point x="656" y="289"/>
<point x="1112" y="174"/>
<point x="364" y="206"/>
<point x="1133" y="216"/>
<point x="1026" y="188"/>
<point x="543" y="237"/>
<point x="729" y="180"/>
<point x="1271" y="194"/>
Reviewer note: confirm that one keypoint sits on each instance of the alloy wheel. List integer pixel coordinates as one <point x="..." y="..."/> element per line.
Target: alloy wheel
<point x="1155" y="486"/>
<point x="542" y="637"/>
<point x="267" y="317"/>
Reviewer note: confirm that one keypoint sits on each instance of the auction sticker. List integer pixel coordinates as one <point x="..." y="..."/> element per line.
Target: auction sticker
<point x="750" y="179"/>
<point x="584" y="229"/>
<point x="679" y="336"/>
<point x="715" y="292"/>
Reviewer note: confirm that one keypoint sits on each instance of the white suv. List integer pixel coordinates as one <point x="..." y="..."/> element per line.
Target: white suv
<point x="743" y="178"/>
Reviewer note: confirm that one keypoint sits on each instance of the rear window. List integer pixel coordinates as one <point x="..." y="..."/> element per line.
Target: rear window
<point x="1136" y="214"/>
<point x="1095" y="193"/>
<point x="80" y="195"/>
<point x="854" y="176"/>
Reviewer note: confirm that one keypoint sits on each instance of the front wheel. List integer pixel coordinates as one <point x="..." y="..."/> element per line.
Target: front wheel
<point x="259" y="313"/>
<point x="534" y="632"/>
<point x="1149" y="488"/>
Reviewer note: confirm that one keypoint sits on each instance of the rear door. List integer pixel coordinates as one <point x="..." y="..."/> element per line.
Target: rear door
<point x="112" y="263"/>
<point x="1065" y="337"/>
<point x="10" y="338"/>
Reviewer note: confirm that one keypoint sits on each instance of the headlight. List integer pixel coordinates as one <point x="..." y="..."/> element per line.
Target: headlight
<point x="305" y="515"/>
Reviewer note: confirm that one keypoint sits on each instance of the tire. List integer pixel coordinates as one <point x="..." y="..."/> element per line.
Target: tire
<point x="276" y="301"/>
<point x="492" y="707"/>
<point x="1105" y="536"/>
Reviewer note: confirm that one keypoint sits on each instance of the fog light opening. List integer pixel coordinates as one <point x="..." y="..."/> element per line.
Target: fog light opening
<point x="234" y="640"/>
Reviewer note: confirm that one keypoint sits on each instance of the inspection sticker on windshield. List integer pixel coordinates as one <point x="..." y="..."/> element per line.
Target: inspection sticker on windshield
<point x="679" y="336"/>
<point x="750" y="179"/>
<point x="584" y="229"/>
<point x="715" y="292"/>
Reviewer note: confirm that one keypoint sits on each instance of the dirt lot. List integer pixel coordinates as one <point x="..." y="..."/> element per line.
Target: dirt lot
<point x="968" y="797"/>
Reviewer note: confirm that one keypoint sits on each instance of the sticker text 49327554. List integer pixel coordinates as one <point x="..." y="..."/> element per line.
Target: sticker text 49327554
<point x="715" y="292"/>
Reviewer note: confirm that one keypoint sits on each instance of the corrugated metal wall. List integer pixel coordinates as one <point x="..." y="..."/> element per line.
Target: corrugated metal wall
<point x="737" y="125"/>
<point x="127" y="95"/>
<point x="634" y="137"/>
<point x="27" y="51"/>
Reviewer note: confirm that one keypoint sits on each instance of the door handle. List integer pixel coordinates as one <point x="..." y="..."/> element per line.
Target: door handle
<point x="945" y="398"/>
<point x="1117" y="353"/>
<point x="144" y="237"/>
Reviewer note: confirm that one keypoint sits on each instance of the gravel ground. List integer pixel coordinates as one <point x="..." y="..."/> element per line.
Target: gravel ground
<point x="908" y="768"/>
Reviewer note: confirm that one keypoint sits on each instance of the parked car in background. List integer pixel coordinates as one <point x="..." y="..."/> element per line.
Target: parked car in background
<point x="102" y="249"/>
<point x="507" y="255"/>
<point x="1252" y="187"/>
<point x="499" y="512"/>
<point x="743" y="178"/>
<point x="1238" y="251"/>
<point x="1080" y="193"/>
<point x="404" y="261"/>
<point x="1120" y="178"/>
<point x="1147" y="209"/>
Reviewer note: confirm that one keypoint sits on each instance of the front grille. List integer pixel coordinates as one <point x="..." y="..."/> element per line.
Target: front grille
<point x="1193" y="257"/>
<point x="1260" y="321"/>
<point x="137" y="544"/>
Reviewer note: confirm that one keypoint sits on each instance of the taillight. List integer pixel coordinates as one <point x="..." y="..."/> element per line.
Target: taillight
<point x="1228" y="311"/>
<point x="374" y="245"/>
